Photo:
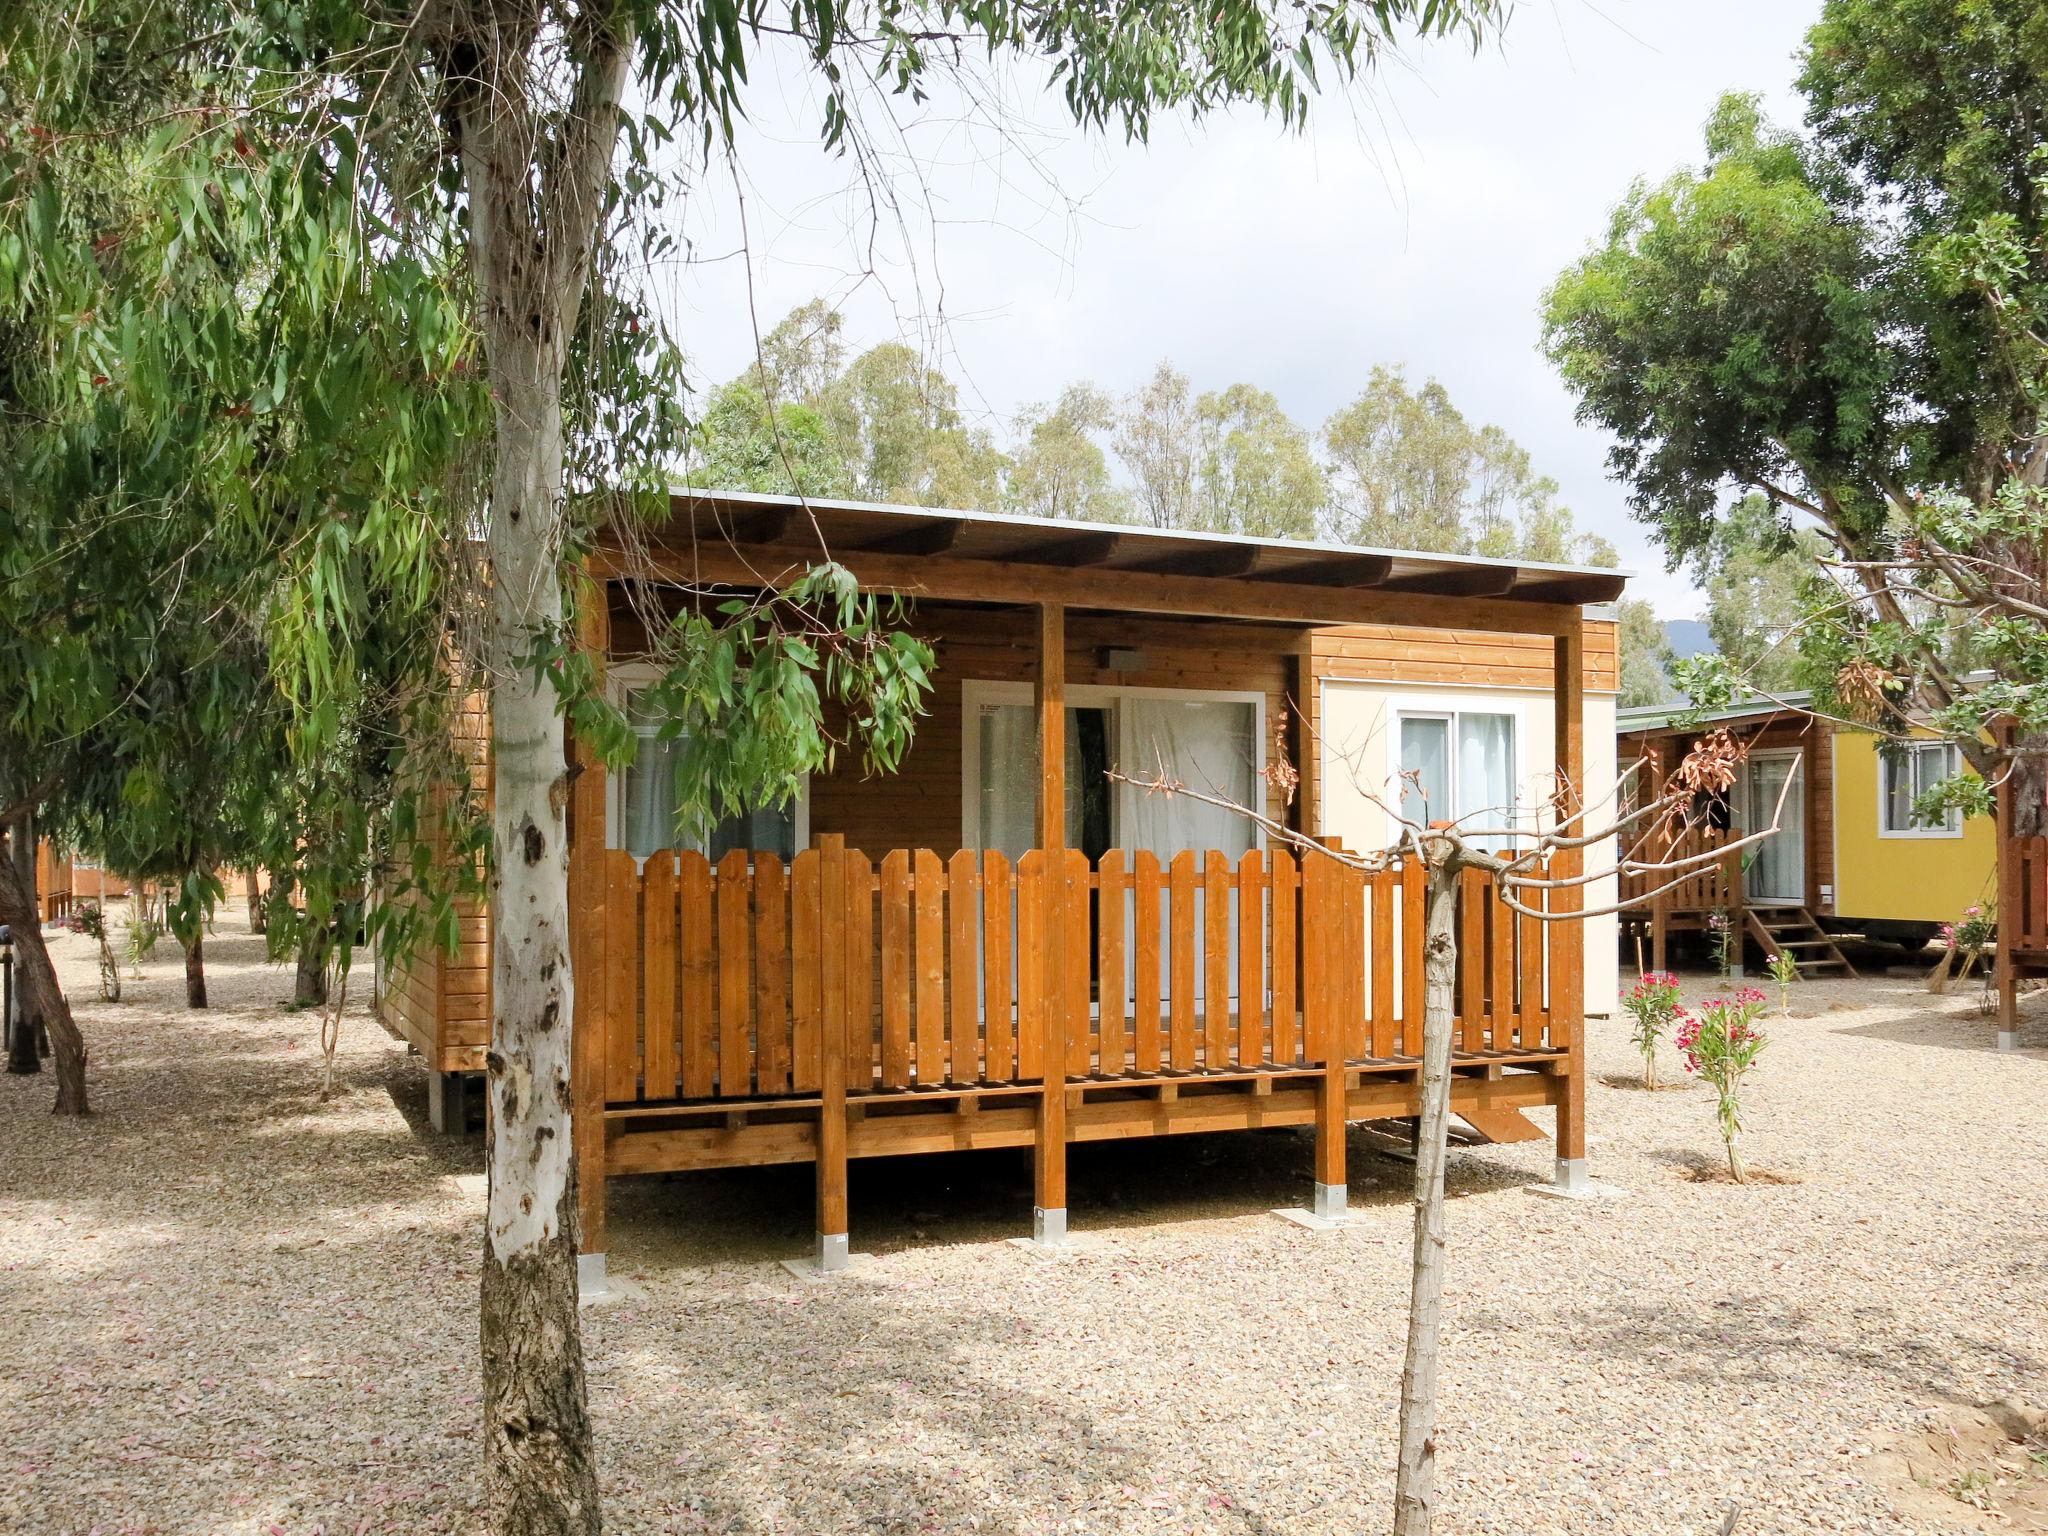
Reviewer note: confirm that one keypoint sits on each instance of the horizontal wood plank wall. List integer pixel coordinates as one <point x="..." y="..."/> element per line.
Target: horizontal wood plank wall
<point x="919" y="806"/>
<point x="1386" y="653"/>
<point x="441" y="1003"/>
<point x="712" y="976"/>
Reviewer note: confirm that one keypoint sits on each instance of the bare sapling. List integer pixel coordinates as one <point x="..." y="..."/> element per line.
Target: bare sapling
<point x="1529" y="866"/>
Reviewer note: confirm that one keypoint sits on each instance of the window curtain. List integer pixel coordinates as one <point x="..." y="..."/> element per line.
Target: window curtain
<point x="1007" y="797"/>
<point x="1486" y="775"/>
<point x="1205" y="744"/>
<point x="648" y="797"/>
<point x="1426" y="754"/>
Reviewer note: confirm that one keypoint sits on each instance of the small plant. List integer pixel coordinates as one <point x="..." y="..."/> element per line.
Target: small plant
<point x="1720" y="1044"/>
<point x="1653" y="1004"/>
<point x="1964" y="945"/>
<point x="1721" y="939"/>
<point x="1784" y="971"/>
<point x="87" y="918"/>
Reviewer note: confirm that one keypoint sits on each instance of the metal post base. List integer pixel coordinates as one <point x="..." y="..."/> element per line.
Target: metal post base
<point x="1049" y="1227"/>
<point x="592" y="1283"/>
<point x="448" y="1103"/>
<point x="1331" y="1203"/>
<point x="833" y="1255"/>
<point x="1570" y="1176"/>
<point x="2008" y="1039"/>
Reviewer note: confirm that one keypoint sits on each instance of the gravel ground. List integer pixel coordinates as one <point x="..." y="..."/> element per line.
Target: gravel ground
<point x="233" y="1308"/>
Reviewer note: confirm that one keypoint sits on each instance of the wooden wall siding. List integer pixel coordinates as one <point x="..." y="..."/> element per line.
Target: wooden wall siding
<point x="2027" y="908"/>
<point x="1813" y="739"/>
<point x="1386" y="653"/>
<point x="919" y="806"/>
<point x="53" y="881"/>
<point x="439" y="1002"/>
<point x="714" y="978"/>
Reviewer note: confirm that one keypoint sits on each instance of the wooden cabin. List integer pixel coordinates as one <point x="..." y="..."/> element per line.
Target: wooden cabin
<point x="1850" y="856"/>
<point x="53" y="880"/>
<point x="999" y="946"/>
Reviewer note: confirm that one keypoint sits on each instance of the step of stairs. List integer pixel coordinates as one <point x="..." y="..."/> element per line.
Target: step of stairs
<point x="1793" y="931"/>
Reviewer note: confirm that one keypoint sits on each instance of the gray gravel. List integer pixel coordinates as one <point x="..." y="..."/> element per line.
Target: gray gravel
<point x="232" y="1308"/>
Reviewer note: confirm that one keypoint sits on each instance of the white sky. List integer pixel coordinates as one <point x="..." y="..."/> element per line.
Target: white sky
<point x="1417" y="223"/>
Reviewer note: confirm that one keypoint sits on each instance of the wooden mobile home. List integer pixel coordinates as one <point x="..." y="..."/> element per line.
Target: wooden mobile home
<point x="1850" y="857"/>
<point x="1000" y="946"/>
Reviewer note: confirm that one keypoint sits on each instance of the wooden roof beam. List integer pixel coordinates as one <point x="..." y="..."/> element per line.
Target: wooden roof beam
<point x="1457" y="581"/>
<point x="1216" y="560"/>
<point x="1577" y="587"/>
<point x="931" y="538"/>
<point x="1082" y="549"/>
<point x="951" y="578"/>
<point x="1343" y="571"/>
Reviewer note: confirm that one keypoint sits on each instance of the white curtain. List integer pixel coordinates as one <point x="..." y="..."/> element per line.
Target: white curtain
<point x="1007" y="796"/>
<point x="1486" y="782"/>
<point x="1426" y="754"/>
<point x="1205" y="744"/>
<point x="647" y="796"/>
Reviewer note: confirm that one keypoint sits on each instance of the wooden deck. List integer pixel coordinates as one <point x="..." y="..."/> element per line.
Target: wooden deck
<point x="843" y="1007"/>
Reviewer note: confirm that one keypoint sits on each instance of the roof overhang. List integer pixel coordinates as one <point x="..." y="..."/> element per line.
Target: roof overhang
<point x="748" y="540"/>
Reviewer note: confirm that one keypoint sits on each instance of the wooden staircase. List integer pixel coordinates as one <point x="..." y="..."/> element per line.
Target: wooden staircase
<point x="1792" y="931"/>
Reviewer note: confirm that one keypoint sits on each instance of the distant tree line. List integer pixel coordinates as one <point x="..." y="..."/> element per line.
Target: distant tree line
<point x="1400" y="466"/>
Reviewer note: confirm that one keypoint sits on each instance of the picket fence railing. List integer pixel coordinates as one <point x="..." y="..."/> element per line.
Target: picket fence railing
<point x="733" y="981"/>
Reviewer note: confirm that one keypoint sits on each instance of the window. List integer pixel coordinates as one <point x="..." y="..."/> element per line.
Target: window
<point x="1210" y="742"/>
<point x="1907" y="772"/>
<point x="643" y="805"/>
<point x="1460" y="766"/>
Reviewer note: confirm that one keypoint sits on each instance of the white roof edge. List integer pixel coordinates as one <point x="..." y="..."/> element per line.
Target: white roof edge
<point x="1140" y="530"/>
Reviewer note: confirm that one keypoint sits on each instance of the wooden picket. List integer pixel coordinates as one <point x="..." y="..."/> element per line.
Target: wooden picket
<point x="724" y="983"/>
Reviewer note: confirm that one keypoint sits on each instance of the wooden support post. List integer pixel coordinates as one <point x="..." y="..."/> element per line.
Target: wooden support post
<point x="832" y="1253"/>
<point x="1323" y="962"/>
<point x="1306" y="740"/>
<point x="588" y="936"/>
<point x="2011" y="904"/>
<point x="1049" y="1150"/>
<point x="1660" y="904"/>
<point x="1568" y="978"/>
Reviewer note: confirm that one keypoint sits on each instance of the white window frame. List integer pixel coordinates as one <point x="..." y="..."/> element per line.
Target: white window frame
<point x="625" y="679"/>
<point x="1451" y="718"/>
<point x="1890" y="762"/>
<point x="975" y="692"/>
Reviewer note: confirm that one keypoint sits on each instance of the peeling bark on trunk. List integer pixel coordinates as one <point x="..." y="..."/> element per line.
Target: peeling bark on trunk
<point x="2030" y="786"/>
<point x="310" y="988"/>
<point x="1415" y="1478"/>
<point x="195" y="970"/>
<point x="43" y="1008"/>
<point x="531" y="231"/>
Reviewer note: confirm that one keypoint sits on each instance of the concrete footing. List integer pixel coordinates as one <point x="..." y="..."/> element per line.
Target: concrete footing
<point x="592" y="1282"/>
<point x="1571" y="1182"/>
<point x="448" y="1103"/>
<point x="2008" y="1039"/>
<point x="831" y="1259"/>
<point x="1049" y="1227"/>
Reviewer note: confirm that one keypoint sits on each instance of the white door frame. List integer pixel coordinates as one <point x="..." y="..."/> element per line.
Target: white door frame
<point x="1754" y="815"/>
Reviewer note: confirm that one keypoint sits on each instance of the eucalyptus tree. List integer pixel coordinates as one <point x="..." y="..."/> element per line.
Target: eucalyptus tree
<point x="512" y="114"/>
<point x="1851" y="322"/>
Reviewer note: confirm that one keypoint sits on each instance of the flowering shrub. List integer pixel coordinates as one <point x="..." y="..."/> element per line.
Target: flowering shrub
<point x="1653" y="1004"/>
<point x="1721" y="939"/>
<point x="1784" y="971"/>
<point x="1974" y="934"/>
<point x="1720" y="1045"/>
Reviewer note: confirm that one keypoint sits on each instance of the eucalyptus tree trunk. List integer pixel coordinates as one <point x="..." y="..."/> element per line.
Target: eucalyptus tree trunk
<point x="309" y="988"/>
<point x="195" y="967"/>
<point x="534" y="201"/>
<point x="24" y="1038"/>
<point x="43" y="1008"/>
<point x="1415" y="1477"/>
<point x="252" y="898"/>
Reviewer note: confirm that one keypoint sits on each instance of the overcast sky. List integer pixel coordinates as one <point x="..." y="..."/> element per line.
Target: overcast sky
<point x="1416" y="224"/>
